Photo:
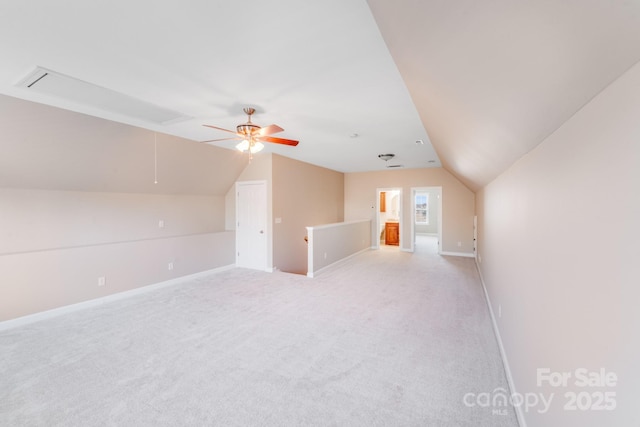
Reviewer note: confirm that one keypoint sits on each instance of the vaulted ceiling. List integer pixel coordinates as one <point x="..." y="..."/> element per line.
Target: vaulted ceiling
<point x="491" y="79"/>
<point x="480" y="83"/>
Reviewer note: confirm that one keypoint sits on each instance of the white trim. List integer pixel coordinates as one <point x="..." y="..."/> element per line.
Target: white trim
<point x="462" y="254"/>
<point x="48" y="314"/>
<point x="268" y="219"/>
<point x="376" y="234"/>
<point x="309" y="251"/>
<point x="315" y="273"/>
<point x="438" y="192"/>
<point x="320" y="227"/>
<point x="518" y="409"/>
<point x="440" y="218"/>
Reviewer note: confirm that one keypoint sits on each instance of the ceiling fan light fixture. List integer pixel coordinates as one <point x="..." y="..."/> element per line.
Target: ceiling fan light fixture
<point x="386" y="157"/>
<point x="251" y="135"/>
<point x="253" y="147"/>
<point x="243" y="145"/>
<point x="257" y="146"/>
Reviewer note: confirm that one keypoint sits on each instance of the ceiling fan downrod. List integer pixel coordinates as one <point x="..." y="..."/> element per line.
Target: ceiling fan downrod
<point x="248" y="128"/>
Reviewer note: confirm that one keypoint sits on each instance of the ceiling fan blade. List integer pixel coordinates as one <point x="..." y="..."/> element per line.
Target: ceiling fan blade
<point x="278" y="140"/>
<point x="216" y="127"/>
<point x="221" y="139"/>
<point x="270" y="130"/>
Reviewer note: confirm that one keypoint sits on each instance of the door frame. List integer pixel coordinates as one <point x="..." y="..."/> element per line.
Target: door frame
<point x="376" y="233"/>
<point x="438" y="191"/>
<point x="263" y="184"/>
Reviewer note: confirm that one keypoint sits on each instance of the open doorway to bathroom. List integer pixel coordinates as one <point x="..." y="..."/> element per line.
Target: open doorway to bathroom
<point x="426" y="219"/>
<point x="389" y="218"/>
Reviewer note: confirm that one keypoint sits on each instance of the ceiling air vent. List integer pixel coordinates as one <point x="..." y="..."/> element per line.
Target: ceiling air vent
<point x="395" y="166"/>
<point x="68" y="88"/>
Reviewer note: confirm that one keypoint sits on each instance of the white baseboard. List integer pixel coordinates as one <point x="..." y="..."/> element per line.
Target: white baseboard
<point x="519" y="412"/>
<point x="43" y="315"/>
<point x="462" y="254"/>
<point x="315" y="273"/>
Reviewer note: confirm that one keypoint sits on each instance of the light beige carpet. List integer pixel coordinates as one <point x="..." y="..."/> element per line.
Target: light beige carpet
<point x="385" y="339"/>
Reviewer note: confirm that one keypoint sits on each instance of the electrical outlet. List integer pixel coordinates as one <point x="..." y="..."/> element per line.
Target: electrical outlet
<point x="170" y="266"/>
<point x="459" y="244"/>
<point x="102" y="281"/>
<point x="325" y="255"/>
<point x="499" y="310"/>
<point x="278" y="220"/>
<point x="161" y="223"/>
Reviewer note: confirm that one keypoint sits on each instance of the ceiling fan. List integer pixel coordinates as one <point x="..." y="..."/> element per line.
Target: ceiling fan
<point x="251" y="135"/>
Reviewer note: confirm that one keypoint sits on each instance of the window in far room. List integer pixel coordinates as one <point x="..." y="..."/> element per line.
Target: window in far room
<point x="422" y="208"/>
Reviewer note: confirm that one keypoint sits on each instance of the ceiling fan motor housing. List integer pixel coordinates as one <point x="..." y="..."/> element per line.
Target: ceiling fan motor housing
<point x="248" y="128"/>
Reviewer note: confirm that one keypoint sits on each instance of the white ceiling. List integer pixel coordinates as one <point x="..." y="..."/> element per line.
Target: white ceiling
<point x="320" y="70"/>
<point x="489" y="80"/>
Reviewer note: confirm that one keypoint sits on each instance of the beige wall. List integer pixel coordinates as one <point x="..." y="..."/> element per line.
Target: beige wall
<point x="457" y="202"/>
<point x="55" y="244"/>
<point x="36" y="281"/>
<point x="303" y="195"/>
<point x="568" y="288"/>
<point x="300" y="195"/>
<point x="35" y="220"/>
<point x="49" y="148"/>
<point x="78" y="201"/>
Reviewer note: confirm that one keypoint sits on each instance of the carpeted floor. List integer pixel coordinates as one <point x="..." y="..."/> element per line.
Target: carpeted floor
<point x="386" y="338"/>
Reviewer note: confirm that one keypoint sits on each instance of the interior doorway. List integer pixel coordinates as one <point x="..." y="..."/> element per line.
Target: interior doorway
<point x="388" y="231"/>
<point x="251" y="224"/>
<point x="426" y="216"/>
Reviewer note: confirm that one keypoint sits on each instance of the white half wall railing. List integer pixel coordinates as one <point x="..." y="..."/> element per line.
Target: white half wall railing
<point x="331" y="243"/>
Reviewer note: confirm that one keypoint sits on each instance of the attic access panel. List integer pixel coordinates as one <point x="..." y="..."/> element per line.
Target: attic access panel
<point x="49" y="82"/>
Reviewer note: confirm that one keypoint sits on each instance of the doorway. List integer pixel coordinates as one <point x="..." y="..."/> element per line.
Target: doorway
<point x="388" y="231"/>
<point x="251" y="224"/>
<point x="426" y="216"/>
